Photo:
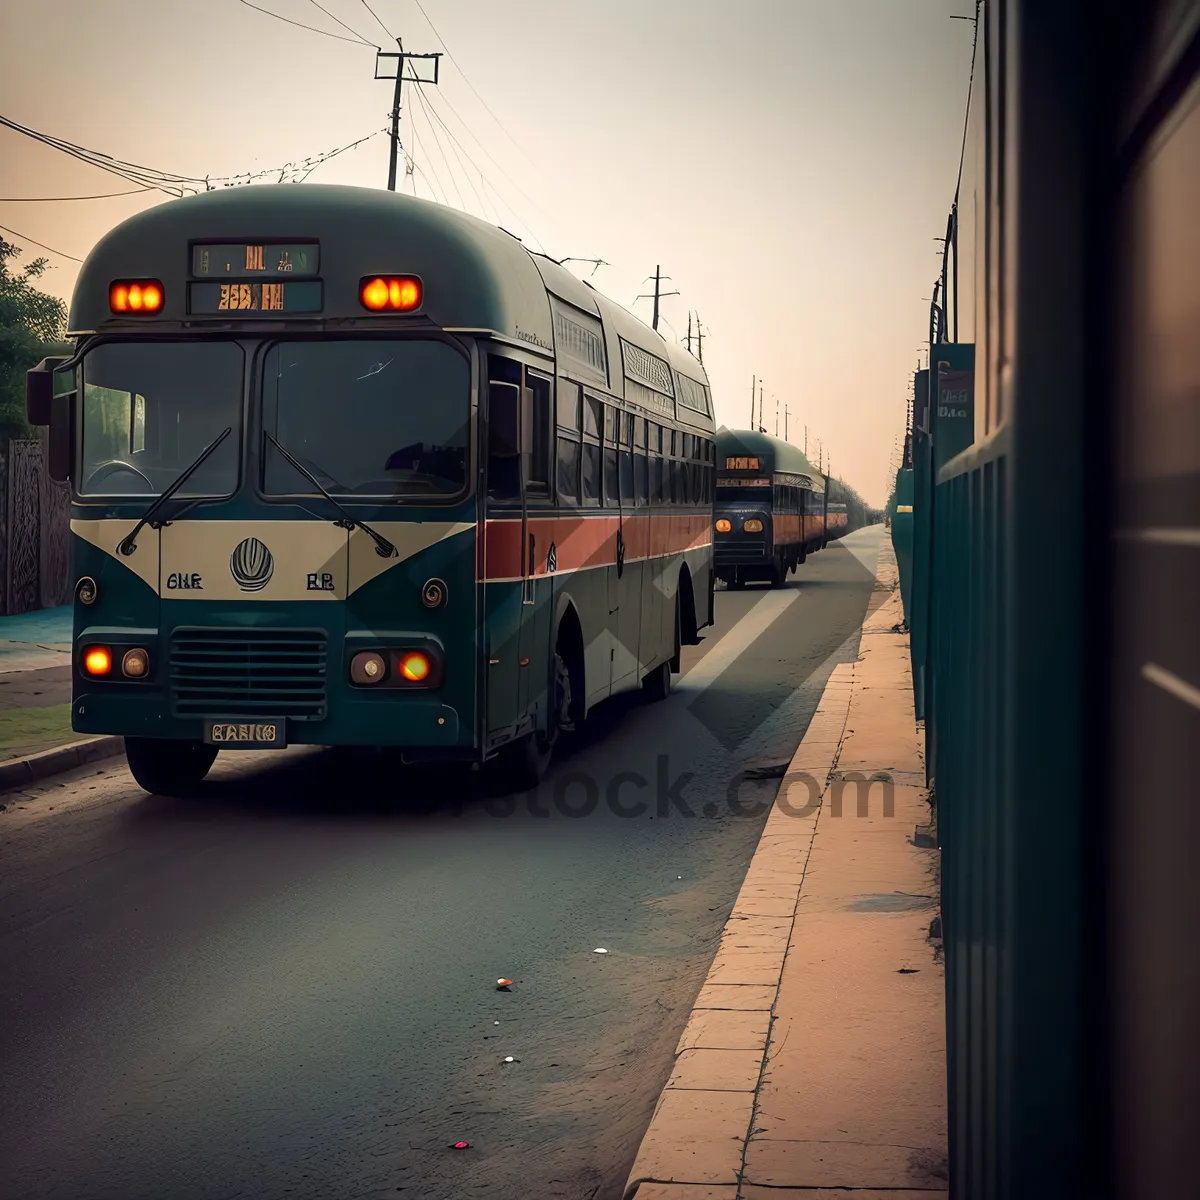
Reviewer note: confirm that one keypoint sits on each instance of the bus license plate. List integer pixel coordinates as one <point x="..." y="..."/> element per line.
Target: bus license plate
<point x="242" y="735"/>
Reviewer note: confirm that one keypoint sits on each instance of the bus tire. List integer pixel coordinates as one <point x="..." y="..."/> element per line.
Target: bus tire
<point x="165" y="767"/>
<point x="657" y="685"/>
<point x="776" y="577"/>
<point x="522" y="765"/>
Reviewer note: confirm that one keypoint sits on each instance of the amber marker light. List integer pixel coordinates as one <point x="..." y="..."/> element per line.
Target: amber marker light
<point x="723" y="526"/>
<point x="97" y="660"/>
<point x="390" y="293"/>
<point x="414" y="666"/>
<point x="135" y="664"/>
<point x="140" y="296"/>
<point x="753" y="526"/>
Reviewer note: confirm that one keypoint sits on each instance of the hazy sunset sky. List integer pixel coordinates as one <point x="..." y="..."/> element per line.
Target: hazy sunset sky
<point x="788" y="162"/>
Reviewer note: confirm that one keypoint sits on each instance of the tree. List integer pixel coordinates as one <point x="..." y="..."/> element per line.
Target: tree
<point x="32" y="325"/>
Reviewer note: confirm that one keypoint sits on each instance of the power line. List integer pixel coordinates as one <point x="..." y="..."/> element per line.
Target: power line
<point x="40" y="245"/>
<point x="962" y="155"/>
<point x="378" y="21"/>
<point x="533" y="203"/>
<point x="469" y="84"/>
<point x="483" y="178"/>
<point x="356" y="41"/>
<point x="51" y="199"/>
<point x="344" y="25"/>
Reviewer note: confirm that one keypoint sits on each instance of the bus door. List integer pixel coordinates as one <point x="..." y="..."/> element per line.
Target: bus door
<point x="537" y="588"/>
<point x="631" y="554"/>
<point x="505" y="549"/>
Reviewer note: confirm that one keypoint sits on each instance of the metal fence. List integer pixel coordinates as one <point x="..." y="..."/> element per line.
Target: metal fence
<point x="35" y="530"/>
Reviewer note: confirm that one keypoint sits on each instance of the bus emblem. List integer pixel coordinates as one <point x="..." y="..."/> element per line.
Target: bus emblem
<point x="251" y="565"/>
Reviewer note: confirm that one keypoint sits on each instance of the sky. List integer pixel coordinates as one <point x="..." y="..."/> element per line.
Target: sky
<point x="788" y="163"/>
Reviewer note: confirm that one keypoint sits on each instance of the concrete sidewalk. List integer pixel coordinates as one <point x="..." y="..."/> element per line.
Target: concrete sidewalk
<point x="814" y="1059"/>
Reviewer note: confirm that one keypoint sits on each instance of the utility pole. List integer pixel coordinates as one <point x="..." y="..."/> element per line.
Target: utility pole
<point x="658" y="279"/>
<point x="401" y="57"/>
<point x="689" y="334"/>
<point x="776" y="416"/>
<point x="699" y="338"/>
<point x="786" y="412"/>
<point x="753" y="386"/>
<point x="761" y="427"/>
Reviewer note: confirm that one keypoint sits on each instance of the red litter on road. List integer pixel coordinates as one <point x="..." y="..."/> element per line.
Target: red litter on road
<point x="461" y="1146"/>
<point x="502" y="985"/>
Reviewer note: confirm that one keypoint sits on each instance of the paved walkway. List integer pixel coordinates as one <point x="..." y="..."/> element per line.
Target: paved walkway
<point x="35" y="682"/>
<point x="814" y="1060"/>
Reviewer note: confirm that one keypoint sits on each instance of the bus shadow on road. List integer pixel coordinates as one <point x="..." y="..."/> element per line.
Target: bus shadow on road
<point x="364" y="782"/>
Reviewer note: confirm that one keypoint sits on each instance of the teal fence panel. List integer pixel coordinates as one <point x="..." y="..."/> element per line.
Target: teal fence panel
<point x="901" y="516"/>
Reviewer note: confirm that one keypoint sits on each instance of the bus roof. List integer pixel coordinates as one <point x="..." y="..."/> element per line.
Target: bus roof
<point x="784" y="456"/>
<point x="476" y="278"/>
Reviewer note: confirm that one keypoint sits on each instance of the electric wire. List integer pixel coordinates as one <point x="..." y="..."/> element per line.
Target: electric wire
<point x="345" y="26"/>
<point x="533" y="203"/>
<point x="450" y="134"/>
<point x="467" y="81"/>
<point x="300" y="25"/>
<point x="458" y="159"/>
<point x="40" y="245"/>
<point x="378" y="22"/>
<point x="53" y="199"/>
<point x="441" y="150"/>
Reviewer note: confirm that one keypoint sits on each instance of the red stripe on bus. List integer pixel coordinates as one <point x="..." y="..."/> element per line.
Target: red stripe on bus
<point x="582" y="542"/>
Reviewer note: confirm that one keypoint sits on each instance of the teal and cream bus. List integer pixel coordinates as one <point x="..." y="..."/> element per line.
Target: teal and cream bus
<point x="353" y="469"/>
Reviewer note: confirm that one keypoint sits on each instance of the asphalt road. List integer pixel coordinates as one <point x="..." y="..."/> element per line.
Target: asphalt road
<point x="286" y="987"/>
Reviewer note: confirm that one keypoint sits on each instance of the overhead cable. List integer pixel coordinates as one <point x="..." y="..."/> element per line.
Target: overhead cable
<point x="355" y="41"/>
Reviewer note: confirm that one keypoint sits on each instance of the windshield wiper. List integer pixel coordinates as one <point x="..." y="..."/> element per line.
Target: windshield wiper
<point x="383" y="547"/>
<point x="129" y="544"/>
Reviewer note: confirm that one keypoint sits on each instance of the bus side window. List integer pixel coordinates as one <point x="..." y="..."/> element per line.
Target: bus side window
<point x="504" y="445"/>
<point x="537" y="432"/>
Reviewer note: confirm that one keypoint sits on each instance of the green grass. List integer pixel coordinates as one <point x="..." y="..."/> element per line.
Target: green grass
<point x="27" y="730"/>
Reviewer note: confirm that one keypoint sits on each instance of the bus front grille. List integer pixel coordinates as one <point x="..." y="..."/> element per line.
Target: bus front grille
<point x="248" y="673"/>
<point x="733" y="549"/>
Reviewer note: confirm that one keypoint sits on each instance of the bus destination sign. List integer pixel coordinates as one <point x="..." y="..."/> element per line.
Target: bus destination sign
<point x="280" y="260"/>
<point x="255" y="299"/>
<point x="742" y="464"/>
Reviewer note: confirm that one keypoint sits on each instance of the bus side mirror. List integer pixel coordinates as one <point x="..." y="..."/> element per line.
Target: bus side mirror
<point x="50" y="400"/>
<point x="39" y="390"/>
<point x="504" y="406"/>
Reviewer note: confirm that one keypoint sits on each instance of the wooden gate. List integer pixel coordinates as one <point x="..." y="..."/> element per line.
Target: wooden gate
<point x="35" y="530"/>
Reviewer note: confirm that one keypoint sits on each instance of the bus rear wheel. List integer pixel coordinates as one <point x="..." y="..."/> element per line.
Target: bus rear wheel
<point x="165" y="767"/>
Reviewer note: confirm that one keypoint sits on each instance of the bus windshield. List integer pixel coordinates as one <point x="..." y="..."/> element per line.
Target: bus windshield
<point x="367" y="417"/>
<point x="149" y="408"/>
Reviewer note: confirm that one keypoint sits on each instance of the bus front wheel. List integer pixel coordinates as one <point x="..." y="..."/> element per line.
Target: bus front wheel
<point x="165" y="767"/>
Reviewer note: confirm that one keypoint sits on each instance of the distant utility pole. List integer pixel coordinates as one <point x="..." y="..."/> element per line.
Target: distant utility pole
<point x="689" y="334"/>
<point x="786" y="412"/>
<point x="401" y="56"/>
<point x="761" y="427"/>
<point x="699" y="339"/>
<point x="776" y="416"/>
<point x="753" y="387"/>
<point x="806" y="441"/>
<point x="658" y="293"/>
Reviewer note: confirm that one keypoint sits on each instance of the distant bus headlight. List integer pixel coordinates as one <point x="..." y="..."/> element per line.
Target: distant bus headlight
<point x="135" y="664"/>
<point x="753" y="525"/>
<point x="368" y="667"/>
<point x="723" y="526"/>
<point x="97" y="660"/>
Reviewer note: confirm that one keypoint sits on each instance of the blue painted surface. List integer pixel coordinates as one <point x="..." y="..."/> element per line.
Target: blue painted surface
<point x="47" y="626"/>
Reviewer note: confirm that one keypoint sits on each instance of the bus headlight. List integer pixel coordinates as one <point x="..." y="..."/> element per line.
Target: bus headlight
<point x="368" y="667"/>
<point x="723" y="526"/>
<point x="135" y="664"/>
<point x="754" y="525"/>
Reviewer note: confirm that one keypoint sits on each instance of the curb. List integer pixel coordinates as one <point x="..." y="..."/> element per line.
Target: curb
<point x="710" y="1098"/>
<point x="23" y="771"/>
